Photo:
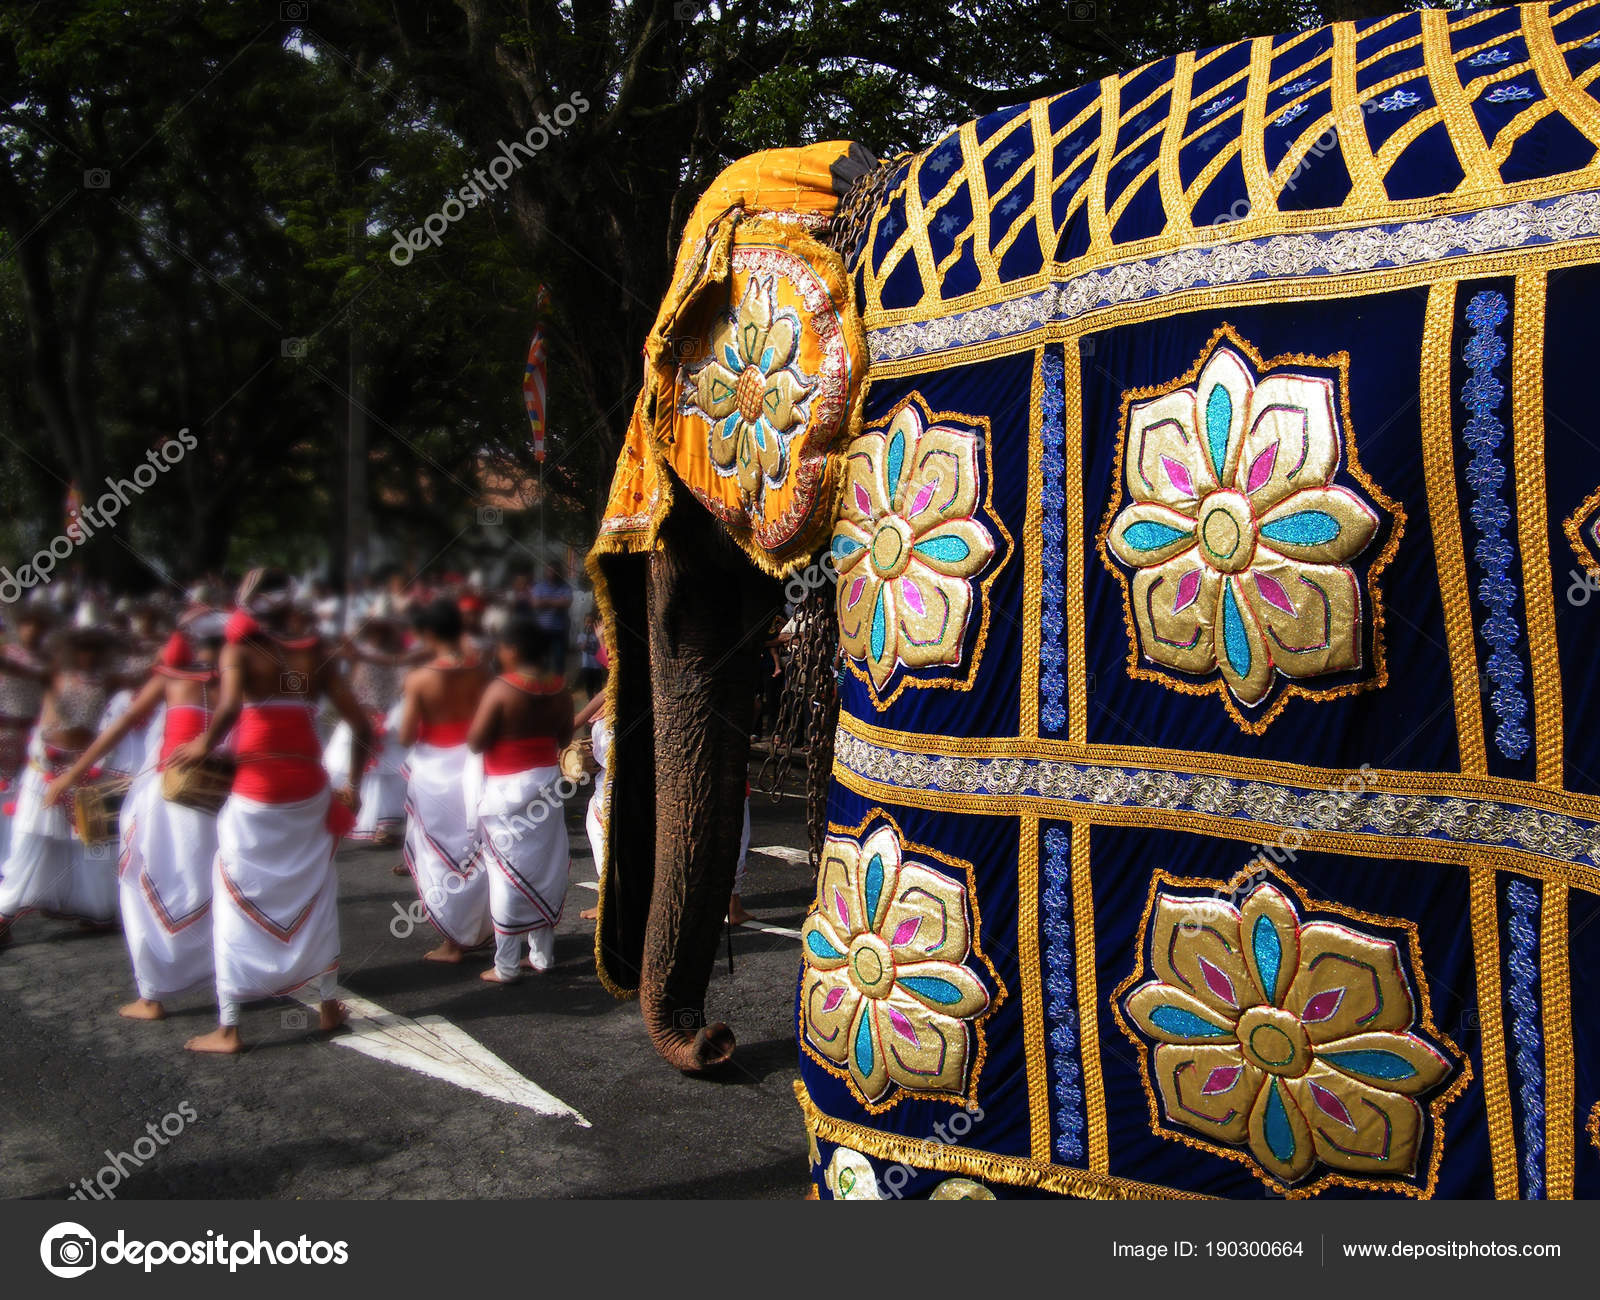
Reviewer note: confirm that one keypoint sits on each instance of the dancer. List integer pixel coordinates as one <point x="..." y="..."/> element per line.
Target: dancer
<point x="522" y="723"/>
<point x="594" y="819"/>
<point x="24" y="673"/>
<point x="440" y="701"/>
<point x="377" y="657"/>
<point x="167" y="848"/>
<point x="49" y="869"/>
<point x="275" y="895"/>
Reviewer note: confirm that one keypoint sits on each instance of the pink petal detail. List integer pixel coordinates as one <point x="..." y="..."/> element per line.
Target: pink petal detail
<point x="840" y="908"/>
<point x="1179" y="476"/>
<point x="1261" y="471"/>
<point x="1322" y="1006"/>
<point x="1272" y="592"/>
<point x="1188" y="589"/>
<point x="856" y="589"/>
<point x="908" y="589"/>
<point x="904" y="1027"/>
<point x="835" y="997"/>
<point x="923" y="497"/>
<point x="1220" y="1080"/>
<point x="863" y="501"/>
<point x="1218" y="982"/>
<point x="1331" y="1106"/>
<point x="906" y="932"/>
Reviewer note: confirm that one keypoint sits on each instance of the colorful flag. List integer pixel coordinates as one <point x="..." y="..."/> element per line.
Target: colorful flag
<point x="533" y="379"/>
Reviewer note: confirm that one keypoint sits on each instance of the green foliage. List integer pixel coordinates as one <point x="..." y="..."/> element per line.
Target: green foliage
<point x="233" y="275"/>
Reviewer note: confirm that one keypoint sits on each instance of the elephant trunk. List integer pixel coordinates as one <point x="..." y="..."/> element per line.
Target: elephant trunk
<point x="708" y="611"/>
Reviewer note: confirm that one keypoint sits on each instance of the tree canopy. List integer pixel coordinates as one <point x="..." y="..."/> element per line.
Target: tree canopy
<point x="201" y="203"/>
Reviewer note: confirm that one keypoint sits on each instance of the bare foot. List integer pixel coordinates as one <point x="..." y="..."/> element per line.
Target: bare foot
<point x="492" y="976"/>
<point x="589" y="914"/>
<point x="400" y="869"/>
<point x="448" y="952"/>
<point x="222" y="1041"/>
<point x="736" y="913"/>
<point x="334" y="1014"/>
<point x="143" y="1009"/>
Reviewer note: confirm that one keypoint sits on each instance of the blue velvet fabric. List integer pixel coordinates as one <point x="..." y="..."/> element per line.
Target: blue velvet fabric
<point x="1016" y="641"/>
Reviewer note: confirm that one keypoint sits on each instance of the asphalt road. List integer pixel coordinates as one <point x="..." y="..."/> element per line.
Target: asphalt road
<point x="298" y="1116"/>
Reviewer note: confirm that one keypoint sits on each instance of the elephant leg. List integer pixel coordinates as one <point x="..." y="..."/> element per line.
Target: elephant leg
<point x="708" y="611"/>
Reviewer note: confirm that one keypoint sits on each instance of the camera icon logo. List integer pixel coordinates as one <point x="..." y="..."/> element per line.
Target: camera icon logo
<point x="97" y="178"/>
<point x="686" y="11"/>
<point x="68" y="1250"/>
<point x="295" y="1018"/>
<point x="293" y="11"/>
<point x="292" y="349"/>
<point x="490" y="516"/>
<point x="293" y="683"/>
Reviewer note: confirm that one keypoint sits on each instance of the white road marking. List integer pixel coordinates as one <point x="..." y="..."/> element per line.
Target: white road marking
<point x="431" y="1045"/>
<point x="747" y="925"/>
<point x="784" y="853"/>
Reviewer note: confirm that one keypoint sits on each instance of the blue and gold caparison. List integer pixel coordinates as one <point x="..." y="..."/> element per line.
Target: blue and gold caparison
<point x="1216" y="800"/>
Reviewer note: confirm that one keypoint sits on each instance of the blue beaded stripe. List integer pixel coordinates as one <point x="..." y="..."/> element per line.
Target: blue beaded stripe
<point x="1061" y="1009"/>
<point x="1482" y="395"/>
<point x="1523" y="925"/>
<point x="1052" y="470"/>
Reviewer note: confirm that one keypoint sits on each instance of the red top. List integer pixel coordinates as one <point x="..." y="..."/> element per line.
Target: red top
<point x="444" y="735"/>
<point x="184" y="723"/>
<point x="519" y="754"/>
<point x="280" y="758"/>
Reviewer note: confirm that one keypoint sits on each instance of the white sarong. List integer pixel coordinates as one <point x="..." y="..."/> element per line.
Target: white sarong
<point x="165" y="871"/>
<point x="48" y="868"/>
<point x="383" y="784"/>
<point x="441" y="823"/>
<point x="275" y="898"/>
<point x="522" y="832"/>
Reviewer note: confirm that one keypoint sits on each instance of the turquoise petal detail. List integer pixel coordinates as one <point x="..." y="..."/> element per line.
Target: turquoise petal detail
<point x="950" y="549"/>
<point x="866" y="1051"/>
<point x="933" y="988"/>
<point x="1372" y="1063"/>
<point x="1233" y="636"/>
<point x="766" y="361"/>
<point x="821" y="947"/>
<point x="730" y="426"/>
<point x="1219" y="415"/>
<point x="1175" y="1020"/>
<point x="1269" y="955"/>
<point x="1277" y="1129"/>
<point x="1147" y="535"/>
<point x="761" y="434"/>
<point x="896" y="459"/>
<point x="844" y="546"/>
<point x="1307" y="528"/>
<point x="880" y="627"/>
<point x="731" y="358"/>
<point x="874" y="885"/>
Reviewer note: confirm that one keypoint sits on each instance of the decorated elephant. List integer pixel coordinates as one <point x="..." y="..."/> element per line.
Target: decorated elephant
<point x="1195" y="511"/>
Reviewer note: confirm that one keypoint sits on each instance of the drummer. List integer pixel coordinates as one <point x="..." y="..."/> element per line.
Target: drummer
<point x="168" y="847"/>
<point x="49" y="868"/>
<point x="24" y="673"/>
